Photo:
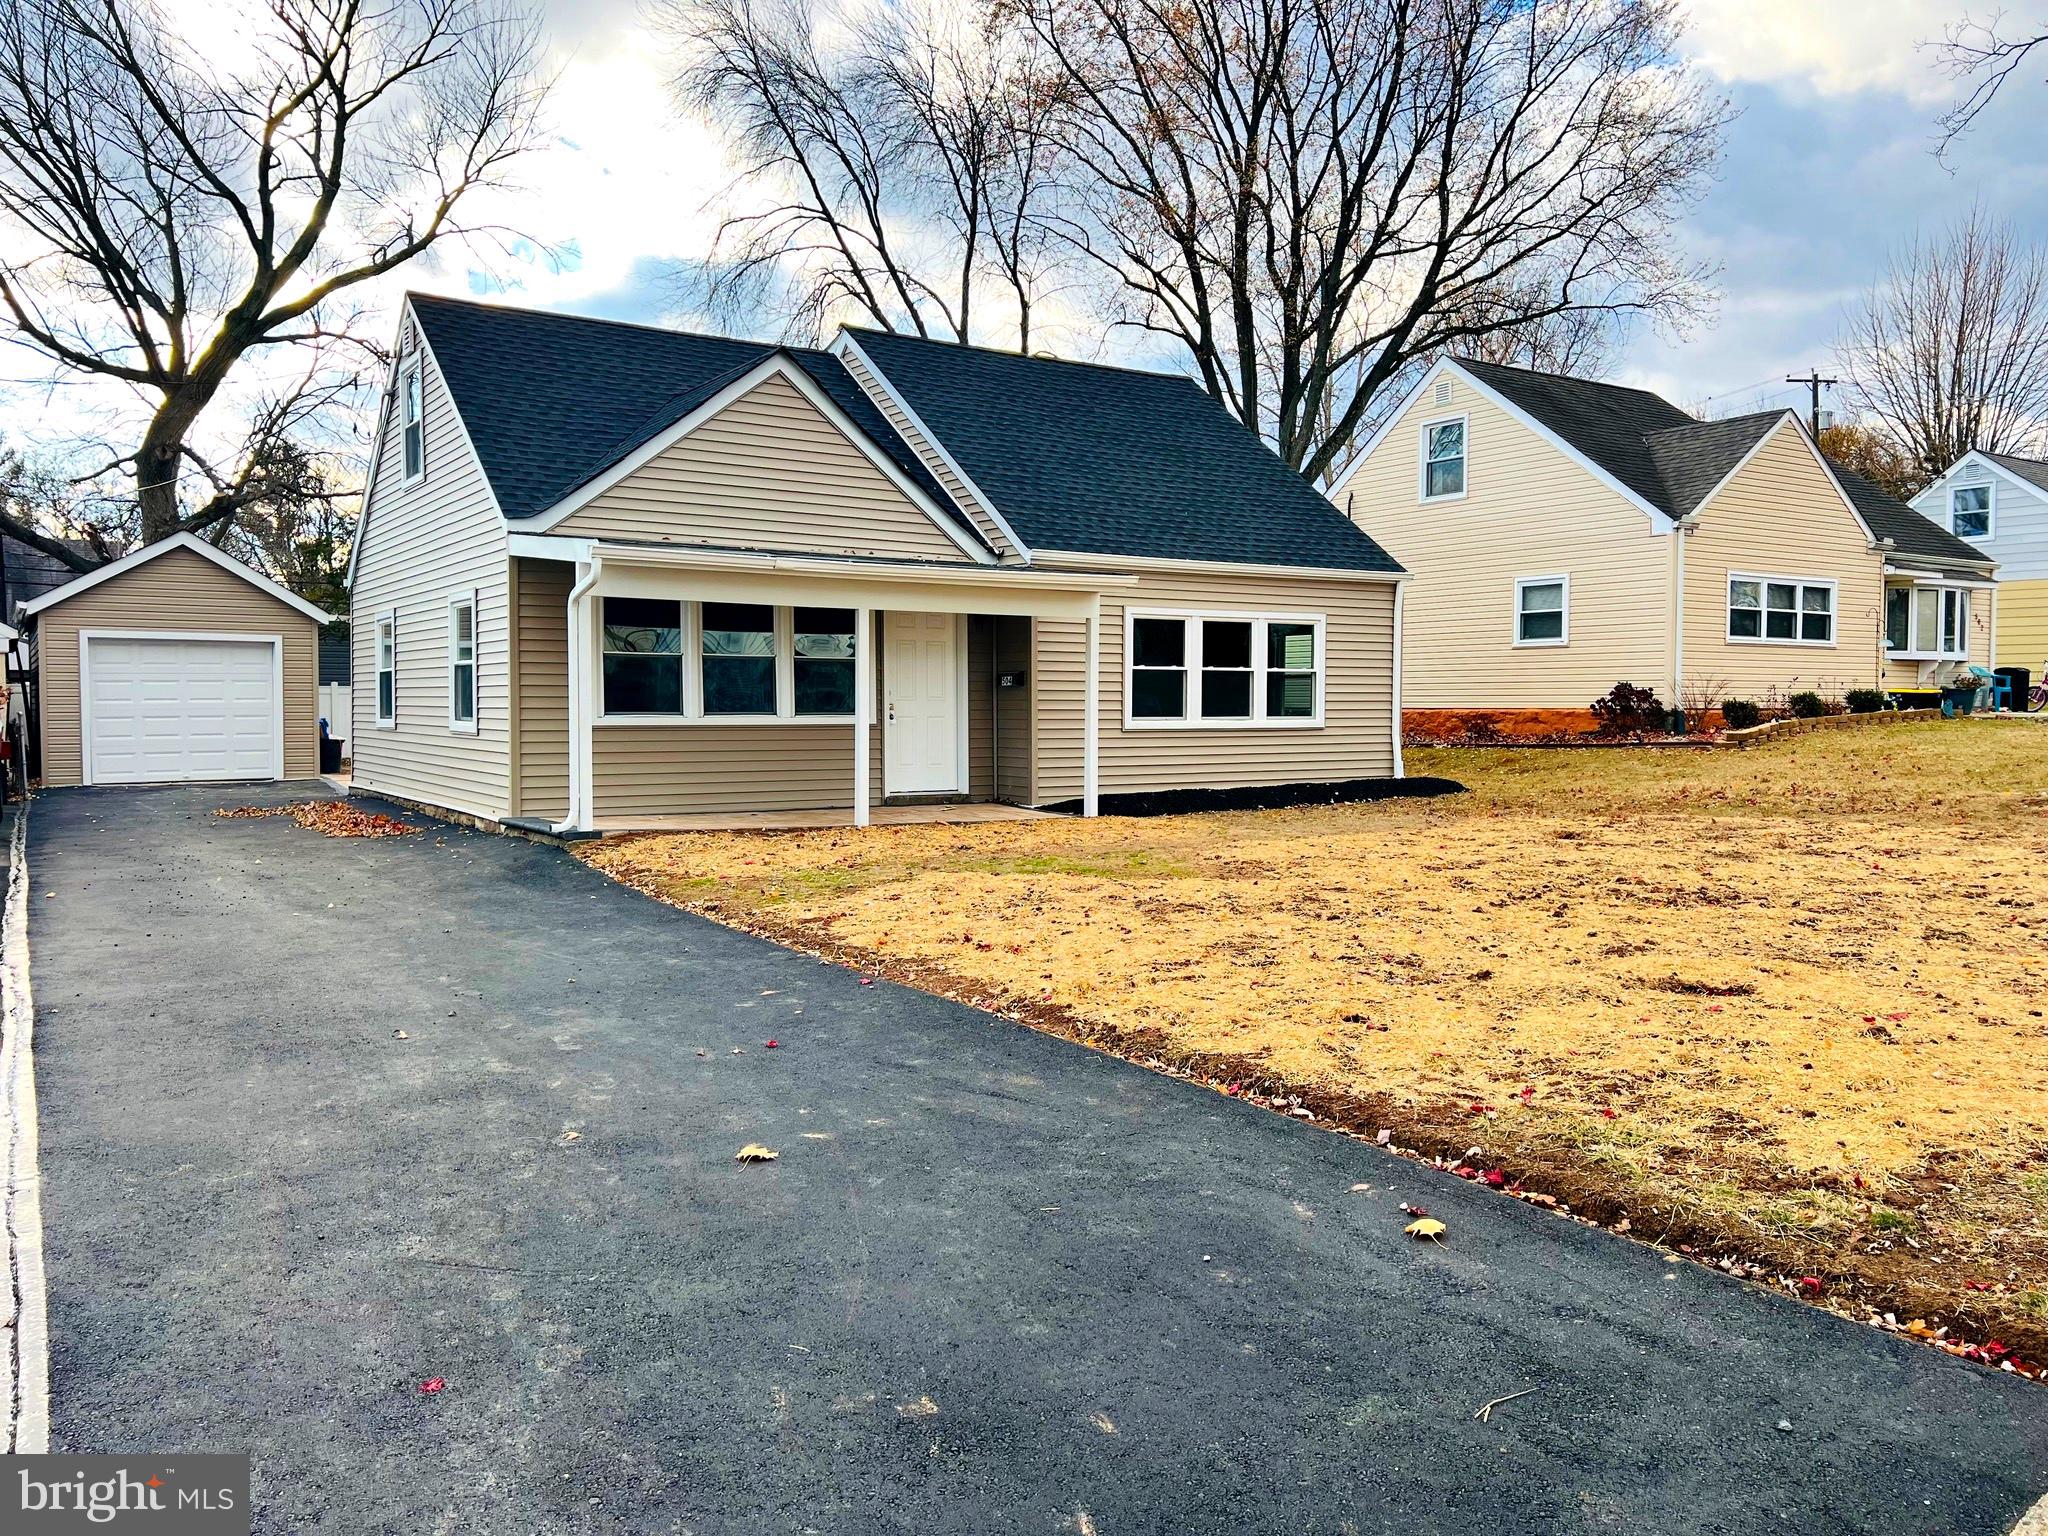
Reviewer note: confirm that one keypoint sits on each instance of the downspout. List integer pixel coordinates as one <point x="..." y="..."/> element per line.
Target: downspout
<point x="579" y="690"/>
<point x="1681" y="529"/>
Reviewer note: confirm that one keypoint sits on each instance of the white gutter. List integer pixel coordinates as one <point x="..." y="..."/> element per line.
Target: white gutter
<point x="541" y="547"/>
<point x="579" y="807"/>
<point x="1400" y="592"/>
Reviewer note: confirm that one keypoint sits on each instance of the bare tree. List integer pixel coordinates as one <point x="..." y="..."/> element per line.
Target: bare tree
<point x="1309" y="195"/>
<point x="1949" y="350"/>
<point x="893" y="166"/>
<point x="170" y="219"/>
<point x="1983" y="55"/>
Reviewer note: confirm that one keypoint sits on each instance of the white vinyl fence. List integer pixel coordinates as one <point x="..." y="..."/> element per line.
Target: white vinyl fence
<point x="334" y="703"/>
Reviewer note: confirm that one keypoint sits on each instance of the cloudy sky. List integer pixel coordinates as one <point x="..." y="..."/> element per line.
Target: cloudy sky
<point x="1829" y="164"/>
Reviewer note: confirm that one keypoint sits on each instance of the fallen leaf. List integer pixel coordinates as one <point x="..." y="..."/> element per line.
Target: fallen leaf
<point x="772" y="1045"/>
<point x="754" y="1152"/>
<point x="432" y="1385"/>
<point x="1427" y="1227"/>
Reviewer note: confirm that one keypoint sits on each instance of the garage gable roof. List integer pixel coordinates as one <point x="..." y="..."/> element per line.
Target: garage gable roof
<point x="198" y="546"/>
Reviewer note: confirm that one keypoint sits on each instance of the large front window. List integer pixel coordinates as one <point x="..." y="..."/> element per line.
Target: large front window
<point x="1223" y="669"/>
<point x="667" y="660"/>
<point x="1927" y="623"/>
<point x="1774" y="610"/>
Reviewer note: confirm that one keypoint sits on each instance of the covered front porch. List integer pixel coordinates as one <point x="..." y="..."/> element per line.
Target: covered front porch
<point x="712" y="689"/>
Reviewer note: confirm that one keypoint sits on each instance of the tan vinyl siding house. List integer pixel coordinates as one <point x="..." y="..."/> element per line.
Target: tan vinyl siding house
<point x="1570" y="535"/>
<point x="721" y="578"/>
<point x="1458" y="646"/>
<point x="175" y="663"/>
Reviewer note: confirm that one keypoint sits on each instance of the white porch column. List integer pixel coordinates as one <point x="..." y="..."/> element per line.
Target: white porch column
<point x="1091" y="712"/>
<point x="582" y="696"/>
<point x="863" y="708"/>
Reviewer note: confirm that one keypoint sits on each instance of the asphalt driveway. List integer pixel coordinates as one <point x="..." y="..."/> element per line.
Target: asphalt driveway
<point x="322" y="1120"/>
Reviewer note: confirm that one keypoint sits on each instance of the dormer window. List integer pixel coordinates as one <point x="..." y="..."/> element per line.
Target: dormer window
<point x="1969" y="511"/>
<point x="1443" y="459"/>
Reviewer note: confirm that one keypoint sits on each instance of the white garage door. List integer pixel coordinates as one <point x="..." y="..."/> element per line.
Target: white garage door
<point x="161" y="710"/>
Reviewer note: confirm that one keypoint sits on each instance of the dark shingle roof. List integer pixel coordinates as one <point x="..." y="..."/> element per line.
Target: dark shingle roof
<point x="2033" y="471"/>
<point x="1114" y="461"/>
<point x="551" y="401"/>
<point x="1672" y="460"/>
<point x="30" y="573"/>
<point x="1911" y="533"/>
<point x="1691" y="460"/>
<point x="1609" y="423"/>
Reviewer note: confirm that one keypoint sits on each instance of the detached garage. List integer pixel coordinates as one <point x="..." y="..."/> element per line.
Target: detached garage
<point x="172" y="665"/>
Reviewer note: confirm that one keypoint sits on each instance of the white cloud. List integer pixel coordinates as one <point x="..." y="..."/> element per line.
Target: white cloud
<point x="1827" y="47"/>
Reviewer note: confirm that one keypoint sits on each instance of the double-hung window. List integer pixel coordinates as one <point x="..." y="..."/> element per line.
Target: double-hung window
<point x="1969" y="511"/>
<point x="1927" y="623"/>
<point x="462" y="663"/>
<point x="1443" y="459"/>
<point x="1223" y="669"/>
<point x="1774" y="610"/>
<point x="1541" y="609"/>
<point x="387" y="669"/>
<point x="731" y="662"/>
<point x="412" y="416"/>
<point x="643" y="656"/>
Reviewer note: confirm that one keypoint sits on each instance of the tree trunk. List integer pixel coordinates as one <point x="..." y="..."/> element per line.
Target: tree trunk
<point x="161" y="457"/>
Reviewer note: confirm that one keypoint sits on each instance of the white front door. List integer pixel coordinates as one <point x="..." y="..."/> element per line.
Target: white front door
<point x="164" y="709"/>
<point x="921" y="715"/>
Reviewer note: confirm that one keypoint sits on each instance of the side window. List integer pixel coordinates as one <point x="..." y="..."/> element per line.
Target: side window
<point x="1159" y="669"/>
<point x="462" y="663"/>
<point x="412" y="412"/>
<point x="1443" y="459"/>
<point x="643" y="656"/>
<point x="1541" y="610"/>
<point x="1969" y="511"/>
<point x="387" y="669"/>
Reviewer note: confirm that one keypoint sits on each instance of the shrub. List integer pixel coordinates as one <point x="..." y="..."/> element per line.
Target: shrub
<point x="1864" y="701"/>
<point x="1807" y="705"/>
<point x="1629" y="710"/>
<point x="1741" y="714"/>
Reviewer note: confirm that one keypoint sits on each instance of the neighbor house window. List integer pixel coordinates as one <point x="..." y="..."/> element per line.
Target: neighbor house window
<point x="462" y="664"/>
<point x="1443" y="459"/>
<point x="1194" y="669"/>
<point x="643" y="656"/>
<point x="387" y="669"/>
<point x="1969" y="511"/>
<point x="726" y="661"/>
<point x="1540" y="610"/>
<point x="821" y="667"/>
<point x="739" y="659"/>
<point x="1781" y="611"/>
<point x="412" y="414"/>
<point x="1927" y="623"/>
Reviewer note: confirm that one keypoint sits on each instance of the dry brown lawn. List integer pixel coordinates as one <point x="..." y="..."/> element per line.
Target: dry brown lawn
<point x="1786" y="1003"/>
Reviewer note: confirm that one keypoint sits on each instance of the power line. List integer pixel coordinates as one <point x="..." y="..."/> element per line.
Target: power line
<point x="1813" y="381"/>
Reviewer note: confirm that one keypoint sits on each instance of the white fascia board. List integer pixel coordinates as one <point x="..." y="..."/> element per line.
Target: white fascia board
<point x="845" y="343"/>
<point x="198" y="546"/>
<point x="1975" y="458"/>
<point x="1047" y="558"/>
<point x="686" y="557"/>
<point x="774" y="365"/>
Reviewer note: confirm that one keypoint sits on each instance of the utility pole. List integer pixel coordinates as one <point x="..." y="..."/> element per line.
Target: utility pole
<point x="1813" y="381"/>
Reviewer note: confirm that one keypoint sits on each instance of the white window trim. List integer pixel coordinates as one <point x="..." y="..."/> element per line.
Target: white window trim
<point x="411" y="375"/>
<point x="1990" y="490"/>
<point x="692" y="713"/>
<point x="1799" y="598"/>
<point x="1464" y="419"/>
<point x="1192" y="657"/>
<point x="387" y="619"/>
<point x="464" y="727"/>
<point x="1937" y="654"/>
<point x="1561" y="579"/>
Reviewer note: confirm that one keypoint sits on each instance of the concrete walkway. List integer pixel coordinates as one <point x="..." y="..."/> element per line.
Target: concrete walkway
<point x="325" y="1120"/>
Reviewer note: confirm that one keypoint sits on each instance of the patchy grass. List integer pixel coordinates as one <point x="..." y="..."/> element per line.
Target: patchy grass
<point x="1787" y="1002"/>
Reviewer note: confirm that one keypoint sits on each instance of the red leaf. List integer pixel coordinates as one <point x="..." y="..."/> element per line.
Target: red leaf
<point x="772" y="1045"/>
<point x="432" y="1385"/>
<point x="1810" y="1284"/>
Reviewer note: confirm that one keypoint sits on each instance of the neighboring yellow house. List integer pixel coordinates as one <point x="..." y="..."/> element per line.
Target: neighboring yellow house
<point x="1998" y="503"/>
<point x="1565" y="535"/>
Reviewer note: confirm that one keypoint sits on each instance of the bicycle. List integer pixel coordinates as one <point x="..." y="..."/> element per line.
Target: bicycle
<point x="2037" y="696"/>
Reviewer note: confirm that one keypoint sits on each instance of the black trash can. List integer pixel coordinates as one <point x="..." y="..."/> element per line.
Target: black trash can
<point x="330" y="755"/>
<point x="2017" y="680"/>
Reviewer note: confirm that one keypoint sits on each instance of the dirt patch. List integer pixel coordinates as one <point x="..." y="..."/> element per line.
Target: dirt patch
<point x="1725" y="1009"/>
